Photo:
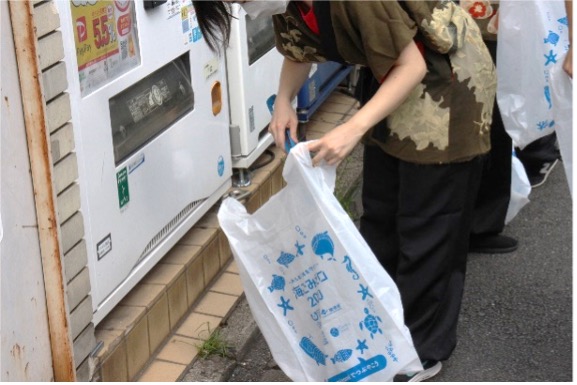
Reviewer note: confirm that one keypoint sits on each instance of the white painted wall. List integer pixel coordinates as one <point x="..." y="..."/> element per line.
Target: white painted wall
<point x="24" y="344"/>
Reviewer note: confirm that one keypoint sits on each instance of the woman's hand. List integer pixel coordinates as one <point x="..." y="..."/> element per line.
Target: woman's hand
<point x="284" y="116"/>
<point x="568" y="62"/>
<point x="408" y="71"/>
<point x="293" y="75"/>
<point x="336" y="145"/>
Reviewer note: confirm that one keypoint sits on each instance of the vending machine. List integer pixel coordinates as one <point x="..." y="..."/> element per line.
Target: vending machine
<point x="150" y="116"/>
<point x="253" y="68"/>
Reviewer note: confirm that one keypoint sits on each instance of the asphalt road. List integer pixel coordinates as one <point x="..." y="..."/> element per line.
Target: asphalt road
<point x="516" y="318"/>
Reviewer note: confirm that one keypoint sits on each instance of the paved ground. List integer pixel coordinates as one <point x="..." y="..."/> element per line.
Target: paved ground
<point x="516" y="320"/>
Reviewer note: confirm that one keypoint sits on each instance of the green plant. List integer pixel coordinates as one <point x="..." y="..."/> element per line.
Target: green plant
<point x="347" y="201"/>
<point x="347" y="185"/>
<point x="213" y="345"/>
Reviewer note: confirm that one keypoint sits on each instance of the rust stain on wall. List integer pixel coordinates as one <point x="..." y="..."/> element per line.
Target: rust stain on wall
<point x="15" y="351"/>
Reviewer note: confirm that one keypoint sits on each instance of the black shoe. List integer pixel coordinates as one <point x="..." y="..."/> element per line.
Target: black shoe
<point x="430" y="369"/>
<point x="538" y="178"/>
<point x="492" y="244"/>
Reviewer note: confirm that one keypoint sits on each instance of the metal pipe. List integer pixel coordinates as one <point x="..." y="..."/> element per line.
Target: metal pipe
<point x="34" y="107"/>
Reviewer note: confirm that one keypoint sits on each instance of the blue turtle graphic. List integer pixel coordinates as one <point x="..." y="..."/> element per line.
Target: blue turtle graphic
<point x="371" y="323"/>
<point x="313" y="351"/>
<point x="278" y="283"/>
<point x="342" y="355"/>
<point x="323" y="244"/>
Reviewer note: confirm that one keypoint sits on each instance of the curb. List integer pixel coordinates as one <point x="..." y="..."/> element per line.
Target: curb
<point x="239" y="331"/>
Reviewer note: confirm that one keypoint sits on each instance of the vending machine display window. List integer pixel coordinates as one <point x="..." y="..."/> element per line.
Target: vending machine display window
<point x="147" y="108"/>
<point x="260" y="37"/>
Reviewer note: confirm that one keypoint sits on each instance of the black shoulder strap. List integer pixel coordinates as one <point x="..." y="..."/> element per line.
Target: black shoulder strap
<point x="322" y="10"/>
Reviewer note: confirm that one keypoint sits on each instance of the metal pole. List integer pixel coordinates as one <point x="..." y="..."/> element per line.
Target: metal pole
<point x="34" y="107"/>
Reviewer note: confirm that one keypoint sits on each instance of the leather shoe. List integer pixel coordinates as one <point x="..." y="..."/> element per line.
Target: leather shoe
<point x="492" y="244"/>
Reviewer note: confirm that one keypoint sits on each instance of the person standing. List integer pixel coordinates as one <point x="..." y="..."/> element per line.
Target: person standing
<point x="422" y="155"/>
<point x="495" y="185"/>
<point x="427" y="99"/>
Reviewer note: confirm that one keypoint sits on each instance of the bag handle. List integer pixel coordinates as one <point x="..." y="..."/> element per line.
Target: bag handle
<point x="299" y="158"/>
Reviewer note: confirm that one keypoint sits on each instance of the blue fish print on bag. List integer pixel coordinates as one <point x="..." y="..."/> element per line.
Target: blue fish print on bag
<point x="371" y="323"/>
<point x="552" y="38"/>
<point x="278" y="283"/>
<point x="286" y="259"/>
<point x="342" y="355"/>
<point x="313" y="351"/>
<point x="564" y="21"/>
<point x="323" y="244"/>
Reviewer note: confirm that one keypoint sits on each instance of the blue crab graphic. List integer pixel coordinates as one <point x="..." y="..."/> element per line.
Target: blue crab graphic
<point x="323" y="244"/>
<point x="371" y="323"/>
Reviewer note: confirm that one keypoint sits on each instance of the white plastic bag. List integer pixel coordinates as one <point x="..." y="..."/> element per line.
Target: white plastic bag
<point x="520" y="189"/>
<point x="561" y="95"/>
<point x="326" y="307"/>
<point x="532" y="37"/>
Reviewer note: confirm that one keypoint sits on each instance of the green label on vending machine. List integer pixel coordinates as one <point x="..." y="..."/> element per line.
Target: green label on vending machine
<point x="122" y="182"/>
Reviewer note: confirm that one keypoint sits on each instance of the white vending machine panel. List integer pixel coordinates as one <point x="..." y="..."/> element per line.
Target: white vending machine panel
<point x="151" y="123"/>
<point x="253" y="67"/>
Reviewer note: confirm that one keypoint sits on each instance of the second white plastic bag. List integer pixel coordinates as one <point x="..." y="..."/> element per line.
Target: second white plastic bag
<point x="532" y="38"/>
<point x="326" y="307"/>
<point x="562" y="97"/>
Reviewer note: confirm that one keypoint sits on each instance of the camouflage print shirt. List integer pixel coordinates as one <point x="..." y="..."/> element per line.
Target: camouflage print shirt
<point x="448" y="116"/>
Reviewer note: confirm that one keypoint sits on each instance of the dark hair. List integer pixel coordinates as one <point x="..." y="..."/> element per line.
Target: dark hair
<point x="214" y="22"/>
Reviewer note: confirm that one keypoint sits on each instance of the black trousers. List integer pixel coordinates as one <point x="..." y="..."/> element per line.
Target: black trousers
<point x="495" y="189"/>
<point x="535" y="154"/>
<point x="417" y="220"/>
